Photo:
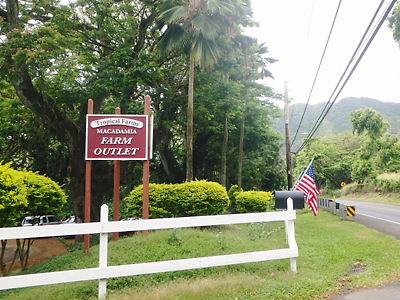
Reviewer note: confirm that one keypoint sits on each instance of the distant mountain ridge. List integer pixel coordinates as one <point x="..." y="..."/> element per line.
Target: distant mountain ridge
<point x="338" y="118"/>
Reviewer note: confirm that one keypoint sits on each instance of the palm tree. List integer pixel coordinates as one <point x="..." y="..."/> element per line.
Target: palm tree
<point x="195" y="26"/>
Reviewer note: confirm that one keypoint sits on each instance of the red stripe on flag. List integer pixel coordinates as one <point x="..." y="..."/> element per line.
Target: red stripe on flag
<point x="307" y="185"/>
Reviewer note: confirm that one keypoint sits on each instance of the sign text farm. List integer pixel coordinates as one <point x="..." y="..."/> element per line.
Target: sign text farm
<point x="117" y="137"/>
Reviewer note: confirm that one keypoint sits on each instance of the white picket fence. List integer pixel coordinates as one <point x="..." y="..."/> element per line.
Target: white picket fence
<point x="104" y="227"/>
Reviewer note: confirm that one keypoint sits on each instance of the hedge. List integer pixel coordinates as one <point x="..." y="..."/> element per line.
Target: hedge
<point x="195" y="198"/>
<point x="24" y="193"/>
<point x="13" y="196"/>
<point x="253" y="201"/>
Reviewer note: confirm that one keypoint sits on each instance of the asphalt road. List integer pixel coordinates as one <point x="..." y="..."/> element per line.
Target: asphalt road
<point x="390" y="292"/>
<point x="382" y="217"/>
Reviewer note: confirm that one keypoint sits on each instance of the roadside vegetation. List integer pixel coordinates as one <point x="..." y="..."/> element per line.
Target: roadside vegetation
<point x="335" y="255"/>
<point x="384" y="189"/>
<point x="362" y="165"/>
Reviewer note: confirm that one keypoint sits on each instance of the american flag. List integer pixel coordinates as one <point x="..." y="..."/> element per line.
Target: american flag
<point x="307" y="185"/>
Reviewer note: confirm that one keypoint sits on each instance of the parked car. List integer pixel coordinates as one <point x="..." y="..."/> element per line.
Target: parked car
<point x="48" y="220"/>
<point x="40" y="220"/>
<point x="28" y="221"/>
<point x="72" y="220"/>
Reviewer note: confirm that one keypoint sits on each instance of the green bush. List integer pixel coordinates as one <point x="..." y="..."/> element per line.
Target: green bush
<point x="233" y="191"/>
<point x="387" y="182"/>
<point x="25" y="193"/>
<point x="13" y="196"/>
<point x="254" y="201"/>
<point x="195" y="198"/>
<point x="44" y="195"/>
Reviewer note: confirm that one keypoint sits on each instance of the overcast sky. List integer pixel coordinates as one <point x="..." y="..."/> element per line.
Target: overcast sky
<point x="295" y="33"/>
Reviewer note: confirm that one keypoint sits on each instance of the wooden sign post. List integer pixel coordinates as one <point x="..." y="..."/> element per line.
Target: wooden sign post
<point x="117" y="174"/>
<point x="117" y="137"/>
<point x="146" y="163"/>
<point x="88" y="189"/>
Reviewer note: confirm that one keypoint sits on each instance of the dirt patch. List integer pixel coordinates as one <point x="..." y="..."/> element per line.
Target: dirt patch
<point x="358" y="267"/>
<point x="41" y="251"/>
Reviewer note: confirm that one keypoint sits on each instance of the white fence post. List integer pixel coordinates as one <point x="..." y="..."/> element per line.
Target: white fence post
<point x="291" y="236"/>
<point x="103" y="252"/>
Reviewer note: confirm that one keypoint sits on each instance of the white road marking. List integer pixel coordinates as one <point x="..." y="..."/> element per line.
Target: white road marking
<point x="390" y="221"/>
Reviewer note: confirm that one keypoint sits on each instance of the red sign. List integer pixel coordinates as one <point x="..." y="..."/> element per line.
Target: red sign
<point x="117" y="137"/>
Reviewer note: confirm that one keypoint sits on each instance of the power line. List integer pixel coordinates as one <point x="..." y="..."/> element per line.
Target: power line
<point x="377" y="27"/>
<point x="356" y="51"/>
<point x="308" y="27"/>
<point x="319" y="67"/>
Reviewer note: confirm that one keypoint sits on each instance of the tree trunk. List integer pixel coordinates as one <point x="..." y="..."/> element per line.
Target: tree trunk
<point x="224" y="152"/>
<point x="241" y="152"/>
<point x="76" y="169"/>
<point x="3" y="251"/>
<point x="12" y="12"/>
<point x="189" y="128"/>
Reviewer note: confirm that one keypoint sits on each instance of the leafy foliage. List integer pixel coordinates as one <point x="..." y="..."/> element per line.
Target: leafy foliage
<point x="394" y="22"/>
<point x="387" y="182"/>
<point x="254" y="201"/>
<point x="232" y="193"/>
<point x="360" y="158"/>
<point x="44" y="195"/>
<point x="13" y="196"/>
<point x="54" y="56"/>
<point x="196" y="27"/>
<point x="368" y="121"/>
<point x="193" y="198"/>
<point x="379" y="151"/>
<point x="26" y="193"/>
<point x="27" y="143"/>
<point x="333" y="159"/>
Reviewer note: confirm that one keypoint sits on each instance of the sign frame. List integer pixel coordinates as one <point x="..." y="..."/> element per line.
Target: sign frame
<point x="147" y="125"/>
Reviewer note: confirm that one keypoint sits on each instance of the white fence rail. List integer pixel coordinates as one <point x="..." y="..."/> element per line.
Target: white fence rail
<point x="104" y="227"/>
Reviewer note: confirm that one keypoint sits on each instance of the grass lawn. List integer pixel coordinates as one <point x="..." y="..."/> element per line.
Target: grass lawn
<point x="335" y="256"/>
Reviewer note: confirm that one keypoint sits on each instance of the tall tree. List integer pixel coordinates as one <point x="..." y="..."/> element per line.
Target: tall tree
<point x="368" y="121"/>
<point x="394" y="22"/>
<point x="196" y="26"/>
<point x="379" y="151"/>
<point x="56" y="57"/>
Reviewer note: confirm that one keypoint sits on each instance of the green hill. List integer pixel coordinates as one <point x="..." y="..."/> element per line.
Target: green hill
<point x="338" y="118"/>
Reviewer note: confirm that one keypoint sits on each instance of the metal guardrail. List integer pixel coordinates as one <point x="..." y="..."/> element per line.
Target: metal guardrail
<point x="346" y="212"/>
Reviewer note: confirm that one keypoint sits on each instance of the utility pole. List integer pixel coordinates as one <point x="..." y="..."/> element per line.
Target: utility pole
<point x="289" y="170"/>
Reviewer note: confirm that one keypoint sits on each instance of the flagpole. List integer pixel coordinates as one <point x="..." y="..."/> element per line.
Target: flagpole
<point x="302" y="174"/>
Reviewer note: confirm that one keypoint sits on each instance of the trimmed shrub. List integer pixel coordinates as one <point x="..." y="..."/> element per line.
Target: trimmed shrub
<point x="13" y="196"/>
<point x="195" y="198"/>
<point x="254" y="201"/>
<point x="45" y="196"/>
<point x="25" y="193"/>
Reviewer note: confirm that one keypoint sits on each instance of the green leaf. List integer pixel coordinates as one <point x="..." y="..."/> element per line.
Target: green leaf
<point x="175" y="14"/>
<point x="173" y="37"/>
